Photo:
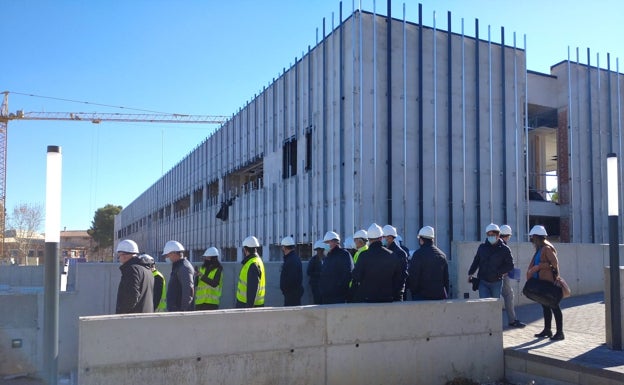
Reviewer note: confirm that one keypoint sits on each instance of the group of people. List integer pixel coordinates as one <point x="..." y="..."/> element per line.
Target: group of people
<point x="494" y="263"/>
<point x="374" y="267"/>
<point x="375" y="270"/>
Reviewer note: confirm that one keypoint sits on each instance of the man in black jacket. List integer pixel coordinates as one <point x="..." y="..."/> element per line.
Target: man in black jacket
<point x="428" y="277"/>
<point x="136" y="287"/>
<point x="291" y="276"/>
<point x="378" y="274"/>
<point x="181" y="288"/>
<point x="389" y="241"/>
<point x="493" y="259"/>
<point x="336" y="271"/>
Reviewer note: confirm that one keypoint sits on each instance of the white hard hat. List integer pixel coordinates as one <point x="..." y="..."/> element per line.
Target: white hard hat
<point x="171" y="246"/>
<point x="389" y="231"/>
<point x="426" y="232"/>
<point x="147" y="259"/>
<point x="360" y="234"/>
<point x="127" y="246"/>
<point x="505" y="230"/>
<point x="330" y="236"/>
<point x="320" y="245"/>
<point x="288" y="241"/>
<point x="211" y="252"/>
<point x="349" y="243"/>
<point x="492" y="227"/>
<point x="251" y="241"/>
<point x="374" y="231"/>
<point x="538" y="230"/>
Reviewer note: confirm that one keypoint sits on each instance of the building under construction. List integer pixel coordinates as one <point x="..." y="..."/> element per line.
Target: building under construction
<point x="390" y="121"/>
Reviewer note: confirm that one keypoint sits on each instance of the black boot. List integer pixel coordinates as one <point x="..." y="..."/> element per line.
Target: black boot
<point x="558" y="336"/>
<point x="544" y="333"/>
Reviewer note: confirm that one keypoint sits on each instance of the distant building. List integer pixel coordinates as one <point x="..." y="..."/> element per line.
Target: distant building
<point x="23" y="247"/>
<point x="411" y="126"/>
<point x="76" y="244"/>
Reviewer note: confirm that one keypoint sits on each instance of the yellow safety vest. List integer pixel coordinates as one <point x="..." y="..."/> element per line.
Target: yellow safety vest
<point x="206" y="293"/>
<point x="162" y="305"/>
<point x="241" y="292"/>
<point x="357" y="253"/>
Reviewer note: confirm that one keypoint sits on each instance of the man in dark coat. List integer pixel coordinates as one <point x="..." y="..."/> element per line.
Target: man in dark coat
<point x="136" y="287"/>
<point x="389" y="241"/>
<point x="181" y="288"/>
<point x="378" y="274"/>
<point x="291" y="276"/>
<point x="428" y="277"/>
<point x="314" y="270"/>
<point x="493" y="259"/>
<point x="336" y="271"/>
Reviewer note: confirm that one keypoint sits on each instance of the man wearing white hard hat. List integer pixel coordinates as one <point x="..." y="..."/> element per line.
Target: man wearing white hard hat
<point x="209" y="281"/>
<point x="314" y="270"/>
<point x="291" y="276"/>
<point x="428" y="277"/>
<point x="507" y="291"/>
<point x="378" y="275"/>
<point x="361" y="243"/>
<point x="493" y="260"/>
<point x="251" y="287"/>
<point x="389" y="240"/>
<point x="181" y="288"/>
<point x="336" y="271"/>
<point x="136" y="287"/>
<point x="160" y="286"/>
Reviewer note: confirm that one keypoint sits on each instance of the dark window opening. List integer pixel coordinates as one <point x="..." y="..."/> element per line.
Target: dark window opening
<point x="289" y="158"/>
<point x="308" y="163"/>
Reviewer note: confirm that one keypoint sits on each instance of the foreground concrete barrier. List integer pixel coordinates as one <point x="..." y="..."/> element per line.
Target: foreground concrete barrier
<point x="398" y="343"/>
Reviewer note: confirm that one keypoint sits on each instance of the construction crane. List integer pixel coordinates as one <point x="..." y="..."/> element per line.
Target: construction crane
<point x="93" y="117"/>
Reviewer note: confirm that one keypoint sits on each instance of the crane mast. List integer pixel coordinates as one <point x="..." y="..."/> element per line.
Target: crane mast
<point x="93" y="117"/>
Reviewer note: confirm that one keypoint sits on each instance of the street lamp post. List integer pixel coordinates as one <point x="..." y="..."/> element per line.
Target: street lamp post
<point x="614" y="250"/>
<point x="51" y="276"/>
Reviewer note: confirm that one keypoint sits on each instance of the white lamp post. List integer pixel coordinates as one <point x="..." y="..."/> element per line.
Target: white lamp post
<point x="613" y="209"/>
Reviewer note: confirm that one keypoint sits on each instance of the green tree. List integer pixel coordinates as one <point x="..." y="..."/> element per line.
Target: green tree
<point x="102" y="231"/>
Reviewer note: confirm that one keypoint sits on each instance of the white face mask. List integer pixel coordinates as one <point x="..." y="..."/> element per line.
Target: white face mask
<point x="168" y="259"/>
<point x="492" y="239"/>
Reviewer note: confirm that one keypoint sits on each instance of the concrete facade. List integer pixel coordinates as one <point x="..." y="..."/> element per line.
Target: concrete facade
<point x="409" y="125"/>
<point x="334" y="344"/>
<point x="425" y="130"/>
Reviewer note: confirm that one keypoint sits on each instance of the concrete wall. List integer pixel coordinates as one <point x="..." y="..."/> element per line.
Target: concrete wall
<point x="399" y="343"/>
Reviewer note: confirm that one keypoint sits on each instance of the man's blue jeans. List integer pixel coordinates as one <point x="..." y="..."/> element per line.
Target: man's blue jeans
<point x="490" y="289"/>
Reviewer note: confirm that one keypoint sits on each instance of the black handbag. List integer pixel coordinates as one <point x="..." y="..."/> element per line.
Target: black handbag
<point x="475" y="283"/>
<point x="543" y="292"/>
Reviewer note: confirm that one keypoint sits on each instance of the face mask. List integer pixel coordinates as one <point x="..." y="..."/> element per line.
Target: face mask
<point x="384" y="243"/>
<point x="168" y="260"/>
<point x="492" y="239"/>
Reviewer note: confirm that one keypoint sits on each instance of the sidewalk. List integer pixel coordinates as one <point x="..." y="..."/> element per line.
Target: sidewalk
<point x="584" y="349"/>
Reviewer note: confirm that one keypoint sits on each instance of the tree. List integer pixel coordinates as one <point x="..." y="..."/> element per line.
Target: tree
<point x="102" y="230"/>
<point x="25" y="223"/>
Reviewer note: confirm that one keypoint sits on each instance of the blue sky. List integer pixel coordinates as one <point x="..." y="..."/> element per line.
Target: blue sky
<point x="209" y="58"/>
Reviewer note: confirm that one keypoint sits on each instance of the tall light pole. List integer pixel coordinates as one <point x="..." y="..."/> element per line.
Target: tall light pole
<point x="51" y="276"/>
<point x="614" y="250"/>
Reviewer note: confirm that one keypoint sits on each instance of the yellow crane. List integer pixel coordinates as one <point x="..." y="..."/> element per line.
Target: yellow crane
<point x="93" y="117"/>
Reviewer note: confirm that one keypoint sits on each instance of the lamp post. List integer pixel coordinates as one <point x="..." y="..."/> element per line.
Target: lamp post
<point x="51" y="275"/>
<point x="614" y="250"/>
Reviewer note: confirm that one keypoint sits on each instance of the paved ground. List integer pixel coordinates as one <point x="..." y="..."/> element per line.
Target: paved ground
<point x="584" y="329"/>
<point x="583" y="325"/>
